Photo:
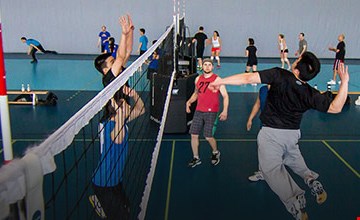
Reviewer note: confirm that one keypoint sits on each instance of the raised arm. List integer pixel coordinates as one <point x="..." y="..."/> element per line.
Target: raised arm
<point x="121" y="52"/>
<point x="339" y="100"/>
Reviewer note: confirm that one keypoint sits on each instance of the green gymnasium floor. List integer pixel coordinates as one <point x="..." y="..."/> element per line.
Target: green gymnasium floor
<point x="330" y="145"/>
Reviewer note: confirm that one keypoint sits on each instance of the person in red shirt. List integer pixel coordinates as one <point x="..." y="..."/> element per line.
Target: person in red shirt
<point x="206" y="112"/>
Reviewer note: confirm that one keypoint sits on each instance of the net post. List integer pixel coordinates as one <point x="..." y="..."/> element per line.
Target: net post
<point x="4" y="107"/>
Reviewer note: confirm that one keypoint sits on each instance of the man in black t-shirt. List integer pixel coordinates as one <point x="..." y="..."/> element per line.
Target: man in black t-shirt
<point x="289" y="97"/>
<point x="339" y="57"/>
<point x="109" y="66"/>
<point x="200" y="38"/>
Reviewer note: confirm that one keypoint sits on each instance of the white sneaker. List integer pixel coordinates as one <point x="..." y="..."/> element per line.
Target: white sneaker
<point x="254" y="84"/>
<point x="256" y="177"/>
<point x="331" y="82"/>
<point x="339" y="82"/>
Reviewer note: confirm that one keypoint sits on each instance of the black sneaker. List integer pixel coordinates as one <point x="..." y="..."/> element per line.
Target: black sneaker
<point x="33" y="61"/>
<point x="194" y="162"/>
<point x="215" y="158"/>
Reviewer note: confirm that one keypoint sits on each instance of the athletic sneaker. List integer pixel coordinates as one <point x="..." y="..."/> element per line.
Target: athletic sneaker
<point x="256" y="177"/>
<point x="218" y="66"/>
<point x="298" y="208"/>
<point x="34" y="61"/>
<point x="317" y="190"/>
<point x="97" y="206"/>
<point x="331" y="82"/>
<point x="194" y="162"/>
<point x="215" y="158"/>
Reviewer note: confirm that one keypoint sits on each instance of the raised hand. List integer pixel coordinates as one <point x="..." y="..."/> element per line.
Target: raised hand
<point x="124" y="25"/>
<point x="343" y="73"/>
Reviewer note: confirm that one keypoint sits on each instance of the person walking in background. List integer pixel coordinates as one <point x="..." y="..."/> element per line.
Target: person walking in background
<point x="207" y="108"/>
<point x="111" y="47"/>
<point x="216" y="48"/>
<point x="143" y="42"/>
<point x="35" y="46"/>
<point x="283" y="51"/>
<point x="103" y="38"/>
<point x="200" y="39"/>
<point x="302" y="45"/>
<point x="250" y="53"/>
<point x="289" y="97"/>
<point x="339" y="57"/>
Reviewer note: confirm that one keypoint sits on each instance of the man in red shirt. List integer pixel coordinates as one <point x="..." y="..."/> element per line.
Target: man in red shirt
<point x="207" y="108"/>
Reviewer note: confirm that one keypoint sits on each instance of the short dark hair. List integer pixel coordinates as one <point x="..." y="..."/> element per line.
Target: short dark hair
<point x="201" y="28"/>
<point x="99" y="62"/>
<point x="142" y="30"/>
<point x="302" y="34"/>
<point x="308" y="66"/>
<point x="251" y="41"/>
<point x="23" y="38"/>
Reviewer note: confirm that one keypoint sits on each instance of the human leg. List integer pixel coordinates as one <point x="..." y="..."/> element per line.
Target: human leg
<point x="271" y="149"/>
<point x="217" y="57"/>
<point x="209" y="122"/>
<point x="32" y="54"/>
<point x="195" y="128"/>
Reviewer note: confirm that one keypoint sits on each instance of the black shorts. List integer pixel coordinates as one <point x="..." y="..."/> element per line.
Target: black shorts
<point x="251" y="62"/>
<point x="114" y="201"/>
<point x="202" y="120"/>
<point x="200" y="52"/>
<point x="284" y="51"/>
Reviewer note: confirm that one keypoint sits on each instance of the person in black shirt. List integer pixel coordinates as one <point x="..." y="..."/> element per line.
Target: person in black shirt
<point x="200" y="39"/>
<point x="289" y="97"/>
<point x="250" y="52"/>
<point x="339" y="57"/>
<point x="109" y="66"/>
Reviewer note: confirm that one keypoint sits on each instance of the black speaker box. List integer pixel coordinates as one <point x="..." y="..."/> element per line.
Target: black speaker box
<point x="177" y="118"/>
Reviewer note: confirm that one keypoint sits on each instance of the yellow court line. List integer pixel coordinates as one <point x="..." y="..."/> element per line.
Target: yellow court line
<point x="340" y="158"/>
<point x="169" y="182"/>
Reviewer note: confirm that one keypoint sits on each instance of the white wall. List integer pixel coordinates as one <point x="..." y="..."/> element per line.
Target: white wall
<point x="71" y="26"/>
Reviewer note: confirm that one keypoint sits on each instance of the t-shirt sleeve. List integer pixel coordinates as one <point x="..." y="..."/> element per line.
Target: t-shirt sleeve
<point x="270" y="76"/>
<point x="321" y="101"/>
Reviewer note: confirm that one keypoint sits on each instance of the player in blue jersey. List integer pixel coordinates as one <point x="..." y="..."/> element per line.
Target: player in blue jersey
<point x="35" y="46"/>
<point x="109" y="174"/>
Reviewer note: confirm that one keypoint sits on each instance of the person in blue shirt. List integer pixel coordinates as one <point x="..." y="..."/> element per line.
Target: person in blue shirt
<point x="111" y="47"/>
<point x="143" y="42"/>
<point x="103" y="38"/>
<point x="108" y="177"/>
<point x="35" y="46"/>
<point x="259" y="105"/>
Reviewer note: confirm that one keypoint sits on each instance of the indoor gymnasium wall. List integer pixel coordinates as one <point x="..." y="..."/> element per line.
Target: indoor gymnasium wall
<point x="71" y="26"/>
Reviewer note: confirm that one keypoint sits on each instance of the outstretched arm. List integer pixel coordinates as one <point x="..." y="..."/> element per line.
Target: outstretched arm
<point x="237" y="79"/>
<point x="129" y="40"/>
<point x="339" y="101"/>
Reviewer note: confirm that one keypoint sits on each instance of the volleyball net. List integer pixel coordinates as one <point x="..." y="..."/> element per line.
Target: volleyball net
<point x="104" y="156"/>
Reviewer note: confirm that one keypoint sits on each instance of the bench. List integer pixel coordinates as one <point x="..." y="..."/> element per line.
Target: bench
<point x="33" y="93"/>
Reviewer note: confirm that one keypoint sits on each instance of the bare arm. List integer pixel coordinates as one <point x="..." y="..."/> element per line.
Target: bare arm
<point x="129" y="40"/>
<point x="254" y="111"/>
<point x="193" y="98"/>
<point x="237" y="79"/>
<point x="339" y="101"/>
<point x="121" y="52"/>
<point x="223" y="115"/>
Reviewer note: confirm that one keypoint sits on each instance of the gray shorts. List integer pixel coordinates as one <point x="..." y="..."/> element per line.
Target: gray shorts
<point x="202" y="120"/>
